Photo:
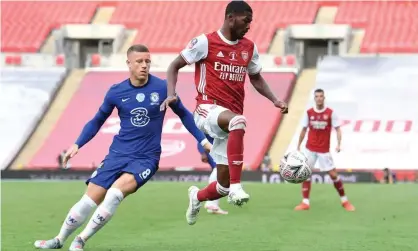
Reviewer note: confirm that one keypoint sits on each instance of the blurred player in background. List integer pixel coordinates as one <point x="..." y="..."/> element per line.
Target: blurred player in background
<point x="320" y="120"/>
<point x="134" y="154"/>
<point x="222" y="60"/>
<point x="212" y="207"/>
<point x="388" y="176"/>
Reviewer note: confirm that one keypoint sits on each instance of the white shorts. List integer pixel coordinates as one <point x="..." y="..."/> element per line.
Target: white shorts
<point x="206" y="119"/>
<point x="325" y="161"/>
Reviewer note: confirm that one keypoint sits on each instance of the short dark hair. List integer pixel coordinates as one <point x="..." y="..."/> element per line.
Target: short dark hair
<point x="137" y="48"/>
<point x="237" y="6"/>
<point x="319" y="90"/>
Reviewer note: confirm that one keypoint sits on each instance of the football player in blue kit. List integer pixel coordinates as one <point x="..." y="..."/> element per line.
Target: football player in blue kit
<point x="134" y="153"/>
<point x="212" y="207"/>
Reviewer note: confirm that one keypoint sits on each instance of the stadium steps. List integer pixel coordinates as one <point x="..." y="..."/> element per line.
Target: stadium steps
<point x="45" y="127"/>
<point x="326" y="15"/>
<point x="103" y="15"/>
<point x="356" y="42"/>
<point x="290" y="122"/>
<point x="130" y="38"/>
<point x="49" y="45"/>
<point x="277" y="45"/>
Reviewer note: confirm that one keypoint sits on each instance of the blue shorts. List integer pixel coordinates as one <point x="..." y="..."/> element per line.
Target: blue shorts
<point x="112" y="168"/>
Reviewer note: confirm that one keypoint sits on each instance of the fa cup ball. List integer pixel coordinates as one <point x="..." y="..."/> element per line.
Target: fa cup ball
<point x="294" y="167"/>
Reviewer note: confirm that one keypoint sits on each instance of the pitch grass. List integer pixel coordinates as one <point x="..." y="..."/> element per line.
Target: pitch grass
<point x="153" y="219"/>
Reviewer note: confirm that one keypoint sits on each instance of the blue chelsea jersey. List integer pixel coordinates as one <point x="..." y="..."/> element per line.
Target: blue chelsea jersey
<point x="141" y="120"/>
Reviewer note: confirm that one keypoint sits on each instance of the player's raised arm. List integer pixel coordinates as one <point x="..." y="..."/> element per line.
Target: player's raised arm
<point x="260" y="84"/>
<point x="305" y="122"/>
<point x="187" y="119"/>
<point x="196" y="50"/>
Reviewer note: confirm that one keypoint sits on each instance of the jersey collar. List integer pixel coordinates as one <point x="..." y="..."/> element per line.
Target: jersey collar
<point x="223" y="38"/>
<point x="319" y="111"/>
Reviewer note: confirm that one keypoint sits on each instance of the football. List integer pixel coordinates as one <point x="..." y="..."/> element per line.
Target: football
<point x="294" y="167"/>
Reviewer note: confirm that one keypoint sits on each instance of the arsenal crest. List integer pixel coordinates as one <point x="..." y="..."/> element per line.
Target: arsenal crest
<point x="325" y="116"/>
<point x="244" y="55"/>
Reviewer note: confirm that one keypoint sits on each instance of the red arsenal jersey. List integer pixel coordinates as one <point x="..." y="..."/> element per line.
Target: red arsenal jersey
<point x="221" y="68"/>
<point x="320" y="124"/>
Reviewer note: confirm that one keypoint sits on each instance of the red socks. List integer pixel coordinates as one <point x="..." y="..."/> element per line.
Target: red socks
<point x="338" y="184"/>
<point x="306" y="189"/>
<point x="209" y="193"/>
<point x="235" y="151"/>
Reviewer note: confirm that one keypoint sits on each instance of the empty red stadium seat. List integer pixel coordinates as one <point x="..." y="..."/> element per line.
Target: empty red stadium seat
<point x="278" y="60"/>
<point x="13" y="60"/>
<point x="18" y="60"/>
<point x="95" y="60"/>
<point x="60" y="60"/>
<point x="290" y="60"/>
<point x="8" y="60"/>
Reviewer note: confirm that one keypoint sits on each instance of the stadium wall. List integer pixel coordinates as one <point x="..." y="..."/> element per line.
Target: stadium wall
<point x="202" y="176"/>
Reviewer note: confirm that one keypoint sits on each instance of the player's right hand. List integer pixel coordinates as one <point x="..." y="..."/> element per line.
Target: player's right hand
<point x="282" y="106"/>
<point x="71" y="152"/>
<point x="167" y="102"/>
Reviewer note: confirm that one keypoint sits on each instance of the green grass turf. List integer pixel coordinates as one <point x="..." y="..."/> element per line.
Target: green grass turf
<point x="153" y="219"/>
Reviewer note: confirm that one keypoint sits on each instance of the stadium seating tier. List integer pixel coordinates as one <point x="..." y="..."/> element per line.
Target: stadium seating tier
<point x="168" y="26"/>
<point x="25" y="25"/>
<point x="389" y="26"/>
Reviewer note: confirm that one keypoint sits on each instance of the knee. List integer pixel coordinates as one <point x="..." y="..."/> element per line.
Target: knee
<point x="126" y="183"/>
<point x="333" y="174"/>
<point x="238" y="122"/>
<point x="95" y="193"/>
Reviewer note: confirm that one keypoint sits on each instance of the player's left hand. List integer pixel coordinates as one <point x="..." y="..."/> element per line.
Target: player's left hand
<point x="207" y="147"/>
<point x="166" y="103"/>
<point x="282" y="105"/>
<point x="338" y="149"/>
<point x="204" y="158"/>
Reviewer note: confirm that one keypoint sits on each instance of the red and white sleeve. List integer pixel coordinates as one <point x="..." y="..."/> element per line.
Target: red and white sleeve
<point x="305" y="120"/>
<point x="196" y="50"/>
<point x="335" y="121"/>
<point x="254" y="66"/>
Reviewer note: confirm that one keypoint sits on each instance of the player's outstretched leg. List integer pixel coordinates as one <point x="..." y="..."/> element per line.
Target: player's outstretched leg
<point x="213" y="207"/>
<point x="121" y="188"/>
<point x="100" y="217"/>
<point x="213" y="191"/>
<point x="75" y="218"/>
<point x="306" y="189"/>
<point x="338" y="184"/>
<point x="235" y="153"/>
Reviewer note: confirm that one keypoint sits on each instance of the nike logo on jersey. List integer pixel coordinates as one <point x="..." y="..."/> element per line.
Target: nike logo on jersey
<point x="125" y="99"/>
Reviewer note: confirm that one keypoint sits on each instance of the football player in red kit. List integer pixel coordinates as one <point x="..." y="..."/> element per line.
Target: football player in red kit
<point x="222" y="59"/>
<point x="320" y="120"/>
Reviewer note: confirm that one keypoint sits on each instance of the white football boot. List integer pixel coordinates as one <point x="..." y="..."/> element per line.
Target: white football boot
<point x="237" y="196"/>
<point x="48" y="244"/>
<point x="77" y="244"/>
<point x="194" y="206"/>
<point x="212" y="207"/>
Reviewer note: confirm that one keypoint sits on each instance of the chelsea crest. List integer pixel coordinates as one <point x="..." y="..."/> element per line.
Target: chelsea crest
<point x="155" y="98"/>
